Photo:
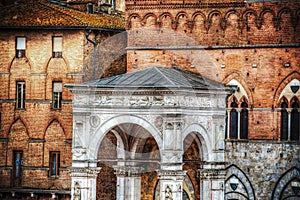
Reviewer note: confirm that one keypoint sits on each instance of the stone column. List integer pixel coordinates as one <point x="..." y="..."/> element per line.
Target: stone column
<point x="212" y="182"/>
<point x="171" y="184"/>
<point x="228" y="110"/>
<point x="128" y="182"/>
<point x="84" y="182"/>
<point x="289" y="110"/>
<point x="239" y="123"/>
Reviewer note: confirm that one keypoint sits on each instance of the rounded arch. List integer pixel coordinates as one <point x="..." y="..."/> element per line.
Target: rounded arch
<point x="165" y="14"/>
<point x="265" y="11"/>
<point x="249" y="12"/>
<point x="236" y="76"/>
<point x="148" y="15"/>
<point x="235" y="171"/>
<point x="231" y="12"/>
<point x="198" y="13"/>
<point x="283" y="181"/>
<point x="203" y="136"/>
<point x="282" y="85"/>
<point x="122" y="119"/>
<point x="181" y="13"/>
<point x="285" y="10"/>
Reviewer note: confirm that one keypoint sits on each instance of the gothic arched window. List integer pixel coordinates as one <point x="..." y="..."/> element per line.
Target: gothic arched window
<point x="284" y="121"/>
<point x="244" y="121"/>
<point x="295" y="121"/>
<point x="233" y="121"/>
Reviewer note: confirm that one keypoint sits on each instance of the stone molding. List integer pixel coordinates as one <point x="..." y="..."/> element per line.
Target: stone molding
<point x="84" y="171"/>
<point x="128" y="171"/>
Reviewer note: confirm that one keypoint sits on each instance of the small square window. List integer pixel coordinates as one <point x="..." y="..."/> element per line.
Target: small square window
<point x="57" y="47"/>
<point x="20" y="95"/>
<point x="54" y="163"/>
<point x="56" y="95"/>
<point x="20" y="47"/>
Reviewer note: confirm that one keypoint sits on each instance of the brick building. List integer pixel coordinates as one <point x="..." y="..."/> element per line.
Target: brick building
<point x="45" y="45"/>
<point x="154" y="133"/>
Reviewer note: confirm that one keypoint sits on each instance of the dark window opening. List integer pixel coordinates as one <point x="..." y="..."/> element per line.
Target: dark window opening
<point x="295" y="122"/>
<point x="233" y="121"/>
<point x="57" y="95"/>
<point x="244" y="121"/>
<point x="54" y="163"/>
<point x="284" y="122"/>
<point x="20" y="95"/>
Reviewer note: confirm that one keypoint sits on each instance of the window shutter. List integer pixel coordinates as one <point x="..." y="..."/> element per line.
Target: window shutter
<point x="57" y="44"/>
<point x="21" y="43"/>
<point x="57" y="87"/>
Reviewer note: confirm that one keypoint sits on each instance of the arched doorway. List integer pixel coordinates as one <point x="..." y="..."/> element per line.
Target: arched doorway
<point x="129" y="158"/>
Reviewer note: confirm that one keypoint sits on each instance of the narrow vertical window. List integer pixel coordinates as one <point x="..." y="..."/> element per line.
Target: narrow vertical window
<point x="233" y="121"/>
<point x="54" y="163"/>
<point x="244" y="121"/>
<point x="20" y="47"/>
<point x="57" y="95"/>
<point x="20" y="95"/>
<point x="284" y="122"/>
<point x="17" y="167"/>
<point x="57" y="47"/>
<point x="295" y="122"/>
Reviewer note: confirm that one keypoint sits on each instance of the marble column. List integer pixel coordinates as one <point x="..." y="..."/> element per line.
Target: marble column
<point x="128" y="182"/>
<point x="171" y="184"/>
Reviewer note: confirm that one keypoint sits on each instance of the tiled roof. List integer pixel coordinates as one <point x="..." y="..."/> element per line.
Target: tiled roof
<point x="156" y="77"/>
<point x="40" y="13"/>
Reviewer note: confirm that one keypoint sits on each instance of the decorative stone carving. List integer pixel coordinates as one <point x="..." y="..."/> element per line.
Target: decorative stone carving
<point x="79" y="153"/>
<point x="94" y="121"/>
<point x="77" y="191"/>
<point x="168" y="193"/>
<point x="84" y="172"/>
<point x="128" y="171"/>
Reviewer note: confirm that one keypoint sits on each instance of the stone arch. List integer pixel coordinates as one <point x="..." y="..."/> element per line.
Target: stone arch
<point x="203" y="136"/>
<point x="284" y="181"/>
<point x="234" y="171"/>
<point x="240" y="79"/>
<point x="282" y="85"/>
<point x="122" y="119"/>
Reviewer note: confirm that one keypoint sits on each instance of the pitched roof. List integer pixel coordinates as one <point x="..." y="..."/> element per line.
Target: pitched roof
<point x="43" y="14"/>
<point x="156" y="77"/>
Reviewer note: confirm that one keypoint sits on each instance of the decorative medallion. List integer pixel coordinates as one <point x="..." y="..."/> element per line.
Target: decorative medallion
<point x="94" y="121"/>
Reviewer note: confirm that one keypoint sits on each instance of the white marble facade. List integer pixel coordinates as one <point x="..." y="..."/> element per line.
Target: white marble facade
<point x="169" y="116"/>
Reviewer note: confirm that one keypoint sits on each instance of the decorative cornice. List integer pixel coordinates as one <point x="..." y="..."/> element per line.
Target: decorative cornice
<point x="134" y="5"/>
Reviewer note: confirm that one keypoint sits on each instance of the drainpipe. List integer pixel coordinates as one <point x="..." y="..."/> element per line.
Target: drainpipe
<point x="95" y="43"/>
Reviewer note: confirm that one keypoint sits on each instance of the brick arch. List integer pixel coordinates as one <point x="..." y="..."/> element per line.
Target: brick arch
<point x="285" y="11"/>
<point x="211" y="15"/>
<point x="148" y="15"/>
<point x="179" y="14"/>
<point x="235" y="171"/>
<point x="227" y="15"/>
<point x="283" y="181"/>
<point x="240" y="79"/>
<point x="197" y="14"/>
<point x="164" y="15"/>
<point x="16" y="121"/>
<point x="133" y="16"/>
<point x="281" y="86"/>
<point x="50" y="123"/>
<point x="261" y="17"/>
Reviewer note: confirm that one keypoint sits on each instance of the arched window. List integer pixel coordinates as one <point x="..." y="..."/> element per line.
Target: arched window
<point x="295" y="121"/>
<point x="284" y="121"/>
<point x="233" y="121"/>
<point x="244" y="121"/>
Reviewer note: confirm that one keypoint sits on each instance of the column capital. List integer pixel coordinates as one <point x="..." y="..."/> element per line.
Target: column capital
<point x="128" y="171"/>
<point x="171" y="174"/>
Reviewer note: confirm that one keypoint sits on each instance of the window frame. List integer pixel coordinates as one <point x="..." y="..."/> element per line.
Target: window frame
<point x="20" y="99"/>
<point x="56" y="96"/>
<point x="54" y="168"/>
<point x="20" y="49"/>
<point x="57" y="48"/>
